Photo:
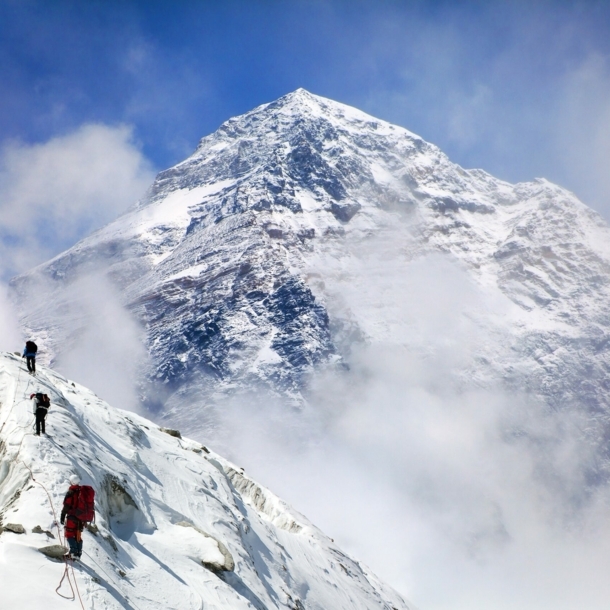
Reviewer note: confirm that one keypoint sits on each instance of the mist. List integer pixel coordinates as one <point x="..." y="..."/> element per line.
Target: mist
<point x="107" y="352"/>
<point x="458" y="492"/>
<point x="10" y="332"/>
<point x="52" y="194"/>
<point x="55" y="192"/>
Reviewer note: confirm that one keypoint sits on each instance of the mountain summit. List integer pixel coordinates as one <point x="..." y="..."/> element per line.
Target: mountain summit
<point x="260" y="260"/>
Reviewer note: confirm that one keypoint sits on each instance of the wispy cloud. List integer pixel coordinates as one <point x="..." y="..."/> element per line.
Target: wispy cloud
<point x="54" y="193"/>
<point x="10" y="335"/>
<point x="460" y="492"/>
<point x="51" y="195"/>
<point x="107" y="353"/>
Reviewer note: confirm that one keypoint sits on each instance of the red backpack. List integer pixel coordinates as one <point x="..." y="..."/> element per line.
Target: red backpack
<point x="83" y="504"/>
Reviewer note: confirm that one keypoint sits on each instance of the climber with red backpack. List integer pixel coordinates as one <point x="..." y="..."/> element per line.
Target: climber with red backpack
<point x="79" y="509"/>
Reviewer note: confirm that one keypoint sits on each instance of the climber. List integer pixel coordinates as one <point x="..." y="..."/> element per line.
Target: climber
<point x="78" y="509"/>
<point x="29" y="353"/>
<point x="41" y="408"/>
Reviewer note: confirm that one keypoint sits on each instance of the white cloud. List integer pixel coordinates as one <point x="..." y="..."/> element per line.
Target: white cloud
<point x="51" y="195"/>
<point x="461" y="499"/>
<point x="10" y="335"/>
<point x="54" y="193"/>
<point x="459" y="493"/>
<point x="107" y="354"/>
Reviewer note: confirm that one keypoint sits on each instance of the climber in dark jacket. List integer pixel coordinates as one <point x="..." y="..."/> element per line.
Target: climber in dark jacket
<point x="29" y="353"/>
<point x="74" y="527"/>
<point x="41" y="408"/>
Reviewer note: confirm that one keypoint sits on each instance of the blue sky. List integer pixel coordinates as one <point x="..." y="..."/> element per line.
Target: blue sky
<point x="520" y="89"/>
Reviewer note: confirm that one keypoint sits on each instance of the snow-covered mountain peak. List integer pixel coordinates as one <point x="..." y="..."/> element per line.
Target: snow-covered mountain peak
<point x="302" y="105"/>
<point x="177" y="526"/>
<point x="297" y="127"/>
<point x="292" y="236"/>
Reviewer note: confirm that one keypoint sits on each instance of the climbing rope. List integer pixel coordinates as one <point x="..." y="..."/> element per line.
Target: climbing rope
<point x="62" y="541"/>
<point x="64" y="575"/>
<point x="67" y="567"/>
<point x="68" y="572"/>
<point x="15" y="401"/>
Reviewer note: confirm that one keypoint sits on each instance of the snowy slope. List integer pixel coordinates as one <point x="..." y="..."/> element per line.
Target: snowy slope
<point x="165" y="506"/>
<point x="261" y="258"/>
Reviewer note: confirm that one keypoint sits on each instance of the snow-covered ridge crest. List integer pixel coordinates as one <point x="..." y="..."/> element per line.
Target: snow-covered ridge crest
<point x="173" y="528"/>
<point x="265" y="502"/>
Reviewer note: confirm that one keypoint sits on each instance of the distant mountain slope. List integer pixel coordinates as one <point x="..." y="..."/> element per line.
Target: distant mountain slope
<point x="259" y="259"/>
<point x="178" y="526"/>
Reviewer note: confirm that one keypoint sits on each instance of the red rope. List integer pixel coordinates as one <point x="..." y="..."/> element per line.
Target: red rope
<point x="62" y="542"/>
<point x="77" y="591"/>
<point x="66" y="573"/>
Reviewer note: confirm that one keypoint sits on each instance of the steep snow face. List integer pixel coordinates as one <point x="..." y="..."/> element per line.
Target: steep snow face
<point x="257" y="260"/>
<point x="178" y="526"/>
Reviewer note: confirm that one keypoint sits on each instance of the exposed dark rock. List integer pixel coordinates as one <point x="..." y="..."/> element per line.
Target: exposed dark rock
<point x="306" y="234"/>
<point x="345" y="211"/>
<point x="110" y="540"/>
<point x="92" y="528"/>
<point x="275" y="233"/>
<point x="54" y="551"/>
<point x="447" y="204"/>
<point x="39" y="530"/>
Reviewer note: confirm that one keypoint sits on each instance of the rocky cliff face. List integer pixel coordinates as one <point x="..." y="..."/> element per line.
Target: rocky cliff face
<point x="251" y="263"/>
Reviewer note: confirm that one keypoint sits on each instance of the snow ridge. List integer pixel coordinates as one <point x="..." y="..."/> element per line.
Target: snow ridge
<point x="177" y="525"/>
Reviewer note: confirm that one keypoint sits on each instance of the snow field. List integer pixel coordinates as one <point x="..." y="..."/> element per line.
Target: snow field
<point x="178" y="526"/>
